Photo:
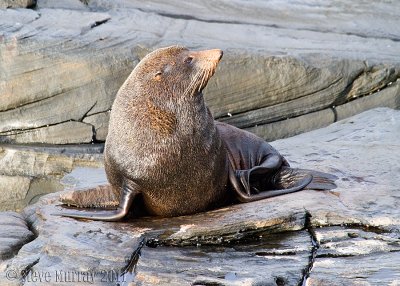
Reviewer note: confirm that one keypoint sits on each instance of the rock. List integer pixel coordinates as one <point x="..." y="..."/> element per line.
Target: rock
<point x="295" y="61"/>
<point x="274" y="259"/>
<point x="339" y="237"/>
<point x="14" y="234"/>
<point x="294" y="126"/>
<point x="308" y="104"/>
<point x="43" y="161"/>
<point x="100" y="124"/>
<point x="389" y="97"/>
<point x="62" y="4"/>
<point x="13" y="190"/>
<point x="63" y="133"/>
<point x="371" y="81"/>
<point x="4" y="4"/>
<point x="299" y="16"/>
<point x="27" y="172"/>
<point x="375" y="269"/>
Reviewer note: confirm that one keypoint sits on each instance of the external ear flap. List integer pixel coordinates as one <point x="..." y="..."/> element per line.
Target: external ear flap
<point x="157" y="76"/>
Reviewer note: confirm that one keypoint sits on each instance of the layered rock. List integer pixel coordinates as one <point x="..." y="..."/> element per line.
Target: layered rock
<point x="27" y="172"/>
<point x="62" y="64"/>
<point x="346" y="236"/>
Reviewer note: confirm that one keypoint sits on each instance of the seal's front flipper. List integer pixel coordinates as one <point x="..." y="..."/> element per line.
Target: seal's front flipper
<point x="260" y="183"/>
<point x="127" y="196"/>
<point x="103" y="196"/>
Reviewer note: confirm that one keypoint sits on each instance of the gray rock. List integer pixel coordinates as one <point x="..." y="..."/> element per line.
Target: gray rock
<point x="4" y="4"/>
<point x="328" y="17"/>
<point x="100" y="124"/>
<point x="14" y="234"/>
<point x="28" y="172"/>
<point x="352" y="231"/>
<point x="375" y="269"/>
<point x="304" y="104"/>
<point x="43" y="161"/>
<point x="13" y="190"/>
<point x="388" y="97"/>
<point x="273" y="259"/>
<point x="292" y="62"/>
<point x="63" y="133"/>
<point x="62" y="4"/>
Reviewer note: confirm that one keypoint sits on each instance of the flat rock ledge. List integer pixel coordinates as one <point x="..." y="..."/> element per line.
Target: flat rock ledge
<point x="347" y="236"/>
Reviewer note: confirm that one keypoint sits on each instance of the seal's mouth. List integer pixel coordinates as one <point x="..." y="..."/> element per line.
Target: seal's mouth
<point x="206" y="63"/>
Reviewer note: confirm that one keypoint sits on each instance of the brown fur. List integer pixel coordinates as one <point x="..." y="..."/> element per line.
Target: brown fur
<point x="162" y="121"/>
<point x="162" y="136"/>
<point x="164" y="144"/>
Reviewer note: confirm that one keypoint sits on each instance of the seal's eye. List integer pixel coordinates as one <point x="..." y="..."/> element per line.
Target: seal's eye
<point x="157" y="76"/>
<point x="188" y="60"/>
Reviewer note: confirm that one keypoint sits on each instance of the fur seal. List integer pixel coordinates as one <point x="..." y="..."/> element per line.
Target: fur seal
<point x="164" y="145"/>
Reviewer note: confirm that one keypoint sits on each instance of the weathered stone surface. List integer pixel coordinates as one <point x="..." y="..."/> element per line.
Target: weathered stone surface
<point x="374" y="269"/>
<point x="63" y="133"/>
<point x="294" y="126"/>
<point x="301" y="16"/>
<point x="273" y="259"/>
<point x="352" y="232"/>
<point x="100" y="124"/>
<point x="27" y="172"/>
<point x="14" y="234"/>
<point x="62" y="4"/>
<point x="300" y="58"/>
<point x="389" y="97"/>
<point x="43" y="161"/>
<point x="13" y="189"/>
<point x="4" y="4"/>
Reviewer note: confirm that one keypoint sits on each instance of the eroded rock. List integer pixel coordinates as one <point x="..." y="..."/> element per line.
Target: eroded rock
<point x="27" y="172"/>
<point x="293" y="63"/>
<point x="4" y="4"/>
<point x="14" y="234"/>
<point x="338" y="237"/>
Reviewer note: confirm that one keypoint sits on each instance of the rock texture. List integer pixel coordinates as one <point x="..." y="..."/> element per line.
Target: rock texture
<point x="27" y="172"/>
<point x="4" y="4"/>
<point x="14" y="234"/>
<point x="346" y="236"/>
<point x="61" y="64"/>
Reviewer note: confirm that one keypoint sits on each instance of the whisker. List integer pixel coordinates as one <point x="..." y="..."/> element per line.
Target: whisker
<point x="192" y="83"/>
<point x="204" y="78"/>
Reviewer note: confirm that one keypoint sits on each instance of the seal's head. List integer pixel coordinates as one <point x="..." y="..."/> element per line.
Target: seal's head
<point x="162" y="94"/>
<point x="176" y="71"/>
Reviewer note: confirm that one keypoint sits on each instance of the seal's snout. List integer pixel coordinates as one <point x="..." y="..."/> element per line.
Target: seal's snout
<point x="205" y="63"/>
<point x="215" y="55"/>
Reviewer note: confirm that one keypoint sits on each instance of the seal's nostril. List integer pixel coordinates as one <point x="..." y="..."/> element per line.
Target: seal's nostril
<point x="221" y="53"/>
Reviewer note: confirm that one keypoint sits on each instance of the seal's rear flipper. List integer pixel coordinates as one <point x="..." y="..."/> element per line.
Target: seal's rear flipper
<point x="122" y="209"/>
<point x="321" y="181"/>
<point x="260" y="183"/>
